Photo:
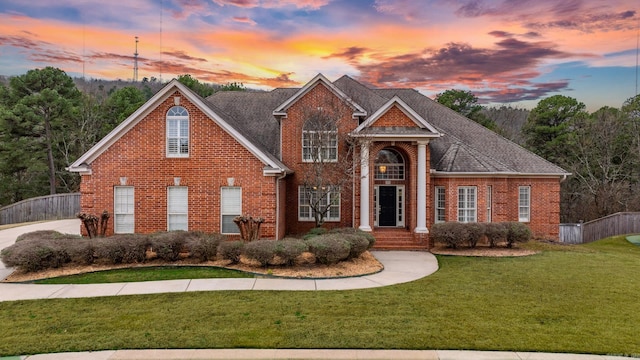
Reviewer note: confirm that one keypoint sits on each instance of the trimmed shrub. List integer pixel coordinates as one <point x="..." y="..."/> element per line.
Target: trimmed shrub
<point x="122" y="248"/>
<point x="357" y="243"/>
<point x="203" y="246"/>
<point x="41" y="235"/>
<point x="289" y="249"/>
<point x="261" y="251"/>
<point x="495" y="232"/>
<point x="231" y="250"/>
<point x="329" y="248"/>
<point x="34" y="255"/>
<point x="169" y="245"/>
<point x="452" y="234"/>
<point x="314" y="232"/>
<point x="475" y="232"/>
<point x="517" y="232"/>
<point x="349" y="230"/>
<point x="81" y="251"/>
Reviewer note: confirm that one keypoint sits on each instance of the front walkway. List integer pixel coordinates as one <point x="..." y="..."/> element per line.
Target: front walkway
<point x="399" y="267"/>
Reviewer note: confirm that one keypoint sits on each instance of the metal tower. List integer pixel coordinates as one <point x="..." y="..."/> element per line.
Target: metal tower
<point x="135" y="63"/>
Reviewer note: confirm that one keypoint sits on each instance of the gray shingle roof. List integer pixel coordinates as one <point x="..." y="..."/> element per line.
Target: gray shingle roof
<point x="465" y="147"/>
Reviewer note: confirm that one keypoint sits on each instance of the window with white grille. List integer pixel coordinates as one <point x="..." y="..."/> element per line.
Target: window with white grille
<point x="524" y="203"/>
<point x="467" y="204"/>
<point x="177" y="132"/>
<point x="310" y="200"/>
<point x="440" y="204"/>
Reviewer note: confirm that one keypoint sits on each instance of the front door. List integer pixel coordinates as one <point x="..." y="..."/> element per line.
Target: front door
<point x="387" y="204"/>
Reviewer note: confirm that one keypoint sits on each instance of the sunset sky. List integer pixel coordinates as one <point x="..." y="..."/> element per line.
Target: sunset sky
<point x="504" y="51"/>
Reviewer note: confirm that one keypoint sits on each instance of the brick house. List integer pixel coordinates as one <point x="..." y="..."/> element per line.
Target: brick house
<point x="184" y="162"/>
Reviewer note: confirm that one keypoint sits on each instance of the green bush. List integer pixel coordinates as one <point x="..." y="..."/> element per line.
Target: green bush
<point x="329" y="248"/>
<point x="314" y="232"/>
<point x="358" y="244"/>
<point x="451" y="234"/>
<point x="289" y="249"/>
<point x="231" y="250"/>
<point x="517" y="232"/>
<point x="203" y="246"/>
<point x="261" y="251"/>
<point x="475" y="232"/>
<point x="495" y="232"/>
<point x="169" y="245"/>
<point x="349" y="230"/>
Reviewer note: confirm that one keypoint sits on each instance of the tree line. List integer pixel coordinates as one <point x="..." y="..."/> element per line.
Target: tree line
<point x="48" y="119"/>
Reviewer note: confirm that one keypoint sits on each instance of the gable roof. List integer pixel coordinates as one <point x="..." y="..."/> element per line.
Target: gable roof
<point x="422" y="128"/>
<point x="282" y="109"/>
<point x="272" y="163"/>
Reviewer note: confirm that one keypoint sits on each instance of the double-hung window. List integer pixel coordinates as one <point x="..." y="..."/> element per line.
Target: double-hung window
<point x="524" y="203"/>
<point x="311" y="201"/>
<point x="319" y="146"/>
<point x="230" y="208"/>
<point x="123" y="209"/>
<point x="177" y="132"/>
<point x="467" y="204"/>
<point x="440" y="204"/>
<point x="177" y="208"/>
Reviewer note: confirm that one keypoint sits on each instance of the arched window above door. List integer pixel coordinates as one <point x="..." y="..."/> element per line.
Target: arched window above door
<point x="389" y="165"/>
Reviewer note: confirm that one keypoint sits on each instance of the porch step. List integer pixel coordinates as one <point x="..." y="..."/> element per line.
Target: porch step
<point x="394" y="239"/>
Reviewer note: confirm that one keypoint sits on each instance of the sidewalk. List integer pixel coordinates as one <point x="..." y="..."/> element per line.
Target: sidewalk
<point x="399" y="267"/>
<point x="261" y="354"/>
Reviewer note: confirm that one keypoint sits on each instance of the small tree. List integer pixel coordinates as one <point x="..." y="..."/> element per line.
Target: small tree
<point x="328" y="157"/>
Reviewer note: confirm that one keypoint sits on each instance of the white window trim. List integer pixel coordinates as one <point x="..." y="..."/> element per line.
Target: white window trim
<point x="117" y="215"/>
<point x="179" y="119"/>
<point x="524" y="211"/>
<point x="327" y="218"/>
<point x="319" y="149"/>
<point x="437" y="206"/>
<point x="224" y="212"/>
<point x="170" y="214"/>
<point x="463" y="211"/>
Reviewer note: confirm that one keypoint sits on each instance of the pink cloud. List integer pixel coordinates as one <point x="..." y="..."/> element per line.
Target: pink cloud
<point x="244" y="20"/>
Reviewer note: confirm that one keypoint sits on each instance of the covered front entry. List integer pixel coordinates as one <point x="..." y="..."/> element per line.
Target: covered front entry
<point x="389" y="205"/>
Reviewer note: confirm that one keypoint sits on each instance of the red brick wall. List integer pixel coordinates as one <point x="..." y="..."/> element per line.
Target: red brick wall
<point x="545" y="201"/>
<point x="394" y="117"/>
<point x="318" y="96"/>
<point x="214" y="156"/>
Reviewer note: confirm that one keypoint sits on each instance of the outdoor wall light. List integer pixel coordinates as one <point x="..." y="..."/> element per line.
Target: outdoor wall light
<point x="382" y="168"/>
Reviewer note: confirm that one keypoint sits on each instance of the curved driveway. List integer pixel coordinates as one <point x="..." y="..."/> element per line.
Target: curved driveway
<point x="399" y="267"/>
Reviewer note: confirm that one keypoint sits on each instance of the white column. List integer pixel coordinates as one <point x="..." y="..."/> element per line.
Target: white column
<point x="422" y="189"/>
<point x="364" y="187"/>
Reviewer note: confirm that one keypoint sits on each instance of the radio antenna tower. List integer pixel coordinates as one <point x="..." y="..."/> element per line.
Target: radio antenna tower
<point x="135" y="63"/>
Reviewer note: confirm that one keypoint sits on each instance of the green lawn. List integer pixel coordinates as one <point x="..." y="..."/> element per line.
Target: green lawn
<point x="567" y="299"/>
<point x="147" y="274"/>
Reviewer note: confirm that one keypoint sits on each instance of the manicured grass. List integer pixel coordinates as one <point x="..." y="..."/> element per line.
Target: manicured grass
<point x="147" y="274"/>
<point x="567" y="299"/>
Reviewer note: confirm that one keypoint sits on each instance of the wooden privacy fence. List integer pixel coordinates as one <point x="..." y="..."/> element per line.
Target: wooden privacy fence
<point x="615" y="224"/>
<point x="51" y="207"/>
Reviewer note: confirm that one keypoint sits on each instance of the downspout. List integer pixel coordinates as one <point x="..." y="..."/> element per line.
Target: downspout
<point x="284" y="174"/>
